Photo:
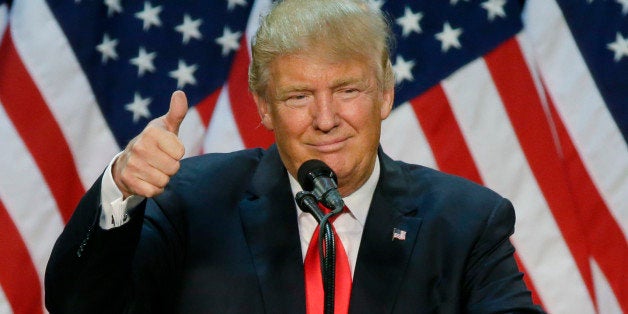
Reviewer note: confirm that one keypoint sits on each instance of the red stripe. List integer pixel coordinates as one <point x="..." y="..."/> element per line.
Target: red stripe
<point x="444" y="135"/>
<point x="450" y="149"/>
<point x="606" y="239"/>
<point x="536" y="297"/>
<point x="530" y="122"/>
<point x="244" y="109"/>
<point x="206" y="107"/>
<point x="18" y="276"/>
<point x="36" y="125"/>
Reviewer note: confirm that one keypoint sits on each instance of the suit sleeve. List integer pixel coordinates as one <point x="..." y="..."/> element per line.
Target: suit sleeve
<point x="493" y="282"/>
<point x="89" y="270"/>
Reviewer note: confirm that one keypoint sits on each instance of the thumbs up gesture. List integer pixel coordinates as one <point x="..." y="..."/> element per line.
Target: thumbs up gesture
<point x="151" y="158"/>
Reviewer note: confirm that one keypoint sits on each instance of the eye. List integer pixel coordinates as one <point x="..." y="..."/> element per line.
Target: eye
<point x="348" y="93"/>
<point x="298" y="100"/>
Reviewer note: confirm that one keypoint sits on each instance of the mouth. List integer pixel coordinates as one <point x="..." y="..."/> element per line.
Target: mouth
<point x="329" y="146"/>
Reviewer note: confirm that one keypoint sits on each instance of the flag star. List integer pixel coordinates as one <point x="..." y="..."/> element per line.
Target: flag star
<point x="108" y="48"/>
<point x="410" y="22"/>
<point x="454" y="2"/>
<point x="449" y="37"/>
<point x="150" y="15"/>
<point x="232" y="4"/>
<point x="229" y="41"/>
<point x="144" y="62"/>
<point x="189" y="28"/>
<point x="494" y="8"/>
<point x="376" y="4"/>
<point x="624" y="6"/>
<point x="184" y="74"/>
<point x="403" y="69"/>
<point x="619" y="46"/>
<point x="113" y="6"/>
<point x="139" y="107"/>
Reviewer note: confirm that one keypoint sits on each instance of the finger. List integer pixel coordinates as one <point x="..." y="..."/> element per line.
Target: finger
<point x="171" y="145"/>
<point x="164" y="163"/>
<point x="178" y="109"/>
<point x="140" y="178"/>
<point x="143" y="188"/>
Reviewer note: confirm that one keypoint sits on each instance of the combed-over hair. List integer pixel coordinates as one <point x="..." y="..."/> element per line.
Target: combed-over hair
<point x="340" y="29"/>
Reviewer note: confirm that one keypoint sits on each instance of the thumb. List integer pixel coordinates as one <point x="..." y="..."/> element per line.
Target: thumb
<point x="178" y="109"/>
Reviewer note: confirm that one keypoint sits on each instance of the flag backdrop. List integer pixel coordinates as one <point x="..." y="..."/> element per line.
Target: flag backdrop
<point x="528" y="98"/>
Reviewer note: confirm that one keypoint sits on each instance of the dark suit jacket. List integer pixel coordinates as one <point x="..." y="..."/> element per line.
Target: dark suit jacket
<point x="223" y="238"/>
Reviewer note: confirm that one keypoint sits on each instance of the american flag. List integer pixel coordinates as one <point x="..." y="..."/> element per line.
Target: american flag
<point x="529" y="98"/>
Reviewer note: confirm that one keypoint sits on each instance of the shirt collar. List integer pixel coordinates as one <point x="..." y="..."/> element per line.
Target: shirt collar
<point x="359" y="201"/>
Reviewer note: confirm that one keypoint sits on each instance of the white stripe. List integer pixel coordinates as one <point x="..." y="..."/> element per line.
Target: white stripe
<point x="4" y="20"/>
<point x="191" y="133"/>
<point x="580" y="106"/>
<point x="606" y="300"/>
<point x="223" y="134"/>
<point x="65" y="88"/>
<point x="402" y="137"/>
<point x="5" y="307"/>
<point x="527" y="51"/>
<point x="503" y="167"/>
<point x="26" y="197"/>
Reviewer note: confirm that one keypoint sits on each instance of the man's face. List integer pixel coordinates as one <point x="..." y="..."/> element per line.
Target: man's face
<point x="327" y="110"/>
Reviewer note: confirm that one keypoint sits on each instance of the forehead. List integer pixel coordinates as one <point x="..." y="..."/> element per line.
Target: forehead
<point x="295" y="69"/>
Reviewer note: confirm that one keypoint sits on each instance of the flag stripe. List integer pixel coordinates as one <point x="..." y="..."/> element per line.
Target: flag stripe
<point x="480" y="114"/>
<point x="579" y="105"/>
<point x="443" y="134"/>
<point x="414" y="148"/>
<point x="207" y="106"/>
<point x="606" y="300"/>
<point x="18" y="276"/>
<point x="536" y="297"/>
<point x="191" y="132"/>
<point x="25" y="107"/>
<point x="23" y="188"/>
<point x="37" y="36"/>
<point x="518" y="92"/>
<point x="602" y="230"/>
<point x="223" y="134"/>
<point x="245" y="112"/>
<point x="450" y="148"/>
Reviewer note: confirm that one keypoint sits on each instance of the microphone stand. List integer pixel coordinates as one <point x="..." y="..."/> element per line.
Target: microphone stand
<point x="326" y="245"/>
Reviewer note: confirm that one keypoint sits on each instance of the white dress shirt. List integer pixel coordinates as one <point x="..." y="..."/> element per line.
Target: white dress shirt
<point x="348" y="226"/>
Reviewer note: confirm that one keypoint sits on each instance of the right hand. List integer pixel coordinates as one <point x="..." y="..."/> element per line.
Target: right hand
<point x="151" y="158"/>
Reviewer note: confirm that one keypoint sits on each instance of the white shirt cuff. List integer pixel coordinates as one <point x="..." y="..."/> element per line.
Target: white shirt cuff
<point x="114" y="208"/>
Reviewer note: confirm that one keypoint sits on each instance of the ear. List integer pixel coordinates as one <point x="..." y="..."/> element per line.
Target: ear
<point x="263" y="109"/>
<point x="387" y="102"/>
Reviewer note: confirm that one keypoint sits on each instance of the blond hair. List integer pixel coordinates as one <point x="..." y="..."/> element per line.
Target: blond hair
<point x="340" y="28"/>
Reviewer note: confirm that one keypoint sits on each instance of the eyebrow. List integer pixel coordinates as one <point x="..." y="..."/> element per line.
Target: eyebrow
<point x="339" y="82"/>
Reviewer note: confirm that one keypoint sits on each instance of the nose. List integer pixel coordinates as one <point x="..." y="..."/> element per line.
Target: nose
<point x="325" y="116"/>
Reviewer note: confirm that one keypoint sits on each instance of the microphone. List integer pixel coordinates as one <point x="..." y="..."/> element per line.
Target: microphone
<point x="315" y="176"/>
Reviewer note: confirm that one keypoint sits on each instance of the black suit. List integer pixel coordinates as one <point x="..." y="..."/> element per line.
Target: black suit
<point x="223" y="238"/>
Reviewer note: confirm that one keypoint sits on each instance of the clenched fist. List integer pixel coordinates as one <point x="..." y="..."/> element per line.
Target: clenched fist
<point x="151" y="158"/>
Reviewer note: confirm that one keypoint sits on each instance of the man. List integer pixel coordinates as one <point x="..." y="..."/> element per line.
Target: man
<point x="221" y="233"/>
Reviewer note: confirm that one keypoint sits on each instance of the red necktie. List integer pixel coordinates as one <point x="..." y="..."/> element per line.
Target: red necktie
<point x="314" y="292"/>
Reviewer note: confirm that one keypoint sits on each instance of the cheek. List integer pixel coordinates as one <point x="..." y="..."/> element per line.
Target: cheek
<point x="290" y="124"/>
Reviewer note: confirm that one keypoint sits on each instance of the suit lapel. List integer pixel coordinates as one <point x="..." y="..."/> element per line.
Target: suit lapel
<point x="270" y="226"/>
<point x="382" y="259"/>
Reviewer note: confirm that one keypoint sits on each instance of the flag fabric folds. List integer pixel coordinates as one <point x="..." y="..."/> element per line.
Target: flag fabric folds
<point x="529" y="98"/>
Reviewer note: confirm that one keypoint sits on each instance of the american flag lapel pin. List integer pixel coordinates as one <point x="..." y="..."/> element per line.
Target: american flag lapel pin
<point x="398" y="234"/>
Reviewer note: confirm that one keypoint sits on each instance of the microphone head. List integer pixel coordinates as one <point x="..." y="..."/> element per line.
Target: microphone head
<point x="311" y="170"/>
